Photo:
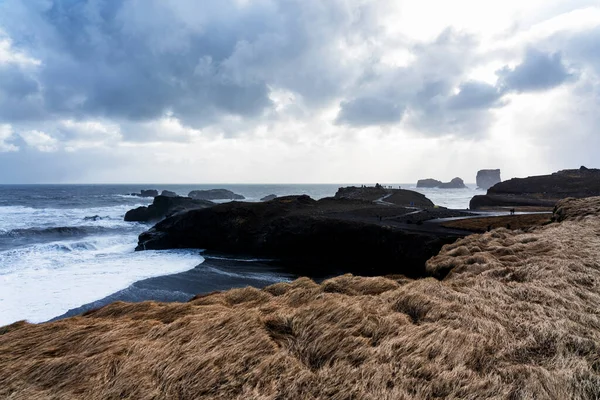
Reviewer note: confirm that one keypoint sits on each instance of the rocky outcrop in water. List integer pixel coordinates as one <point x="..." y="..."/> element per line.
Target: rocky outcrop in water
<point x="541" y="191"/>
<point x="168" y="193"/>
<point x="164" y="206"/>
<point x="398" y="197"/>
<point x="146" y="193"/>
<point x="269" y="197"/>
<point x="317" y="237"/>
<point x="215" y="194"/>
<point x="486" y="178"/>
<point x="428" y="183"/>
<point x="456" y="183"/>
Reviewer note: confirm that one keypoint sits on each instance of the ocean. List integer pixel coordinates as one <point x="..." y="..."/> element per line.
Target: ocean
<point x="66" y="248"/>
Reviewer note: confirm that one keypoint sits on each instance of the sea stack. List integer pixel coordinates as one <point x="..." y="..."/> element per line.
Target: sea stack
<point x="486" y="178"/>
<point x="455" y="183"/>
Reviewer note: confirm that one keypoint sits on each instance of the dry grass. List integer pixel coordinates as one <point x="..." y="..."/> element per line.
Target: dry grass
<point x="484" y="224"/>
<point x="517" y="317"/>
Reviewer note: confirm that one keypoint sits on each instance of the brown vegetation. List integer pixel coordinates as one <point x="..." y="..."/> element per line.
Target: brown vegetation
<point x="516" y="317"/>
<point x="485" y="224"/>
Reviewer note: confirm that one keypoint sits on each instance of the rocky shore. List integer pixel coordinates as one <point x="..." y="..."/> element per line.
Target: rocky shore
<point x="515" y="317"/>
<point x="312" y="237"/>
<point x="540" y="191"/>
<point x="163" y="206"/>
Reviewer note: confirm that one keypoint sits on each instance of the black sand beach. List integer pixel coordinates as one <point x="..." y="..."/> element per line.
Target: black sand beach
<point x="216" y="273"/>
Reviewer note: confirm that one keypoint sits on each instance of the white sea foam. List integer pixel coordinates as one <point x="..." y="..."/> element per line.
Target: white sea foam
<point x="41" y="281"/>
<point x="260" y="276"/>
<point x="19" y="217"/>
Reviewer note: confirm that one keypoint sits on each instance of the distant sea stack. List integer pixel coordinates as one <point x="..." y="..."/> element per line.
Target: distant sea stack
<point x="215" y="194"/>
<point x="541" y="191"/>
<point x="146" y="193"/>
<point x="455" y="183"/>
<point x="428" y="183"/>
<point x="486" y="178"/>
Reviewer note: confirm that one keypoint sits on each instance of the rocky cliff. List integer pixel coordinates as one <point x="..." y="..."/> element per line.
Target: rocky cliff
<point x="541" y="191"/>
<point x="486" y="178"/>
<point x="399" y="197"/>
<point x="325" y="236"/>
<point x="163" y="206"/>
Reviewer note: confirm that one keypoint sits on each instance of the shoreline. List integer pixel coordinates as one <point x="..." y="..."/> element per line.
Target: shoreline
<point x="215" y="273"/>
<point x="221" y="272"/>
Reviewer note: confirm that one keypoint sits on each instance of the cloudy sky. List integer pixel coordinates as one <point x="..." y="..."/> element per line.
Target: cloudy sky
<point x="300" y="91"/>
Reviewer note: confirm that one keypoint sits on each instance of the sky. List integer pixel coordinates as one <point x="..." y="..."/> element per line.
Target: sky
<point x="296" y="91"/>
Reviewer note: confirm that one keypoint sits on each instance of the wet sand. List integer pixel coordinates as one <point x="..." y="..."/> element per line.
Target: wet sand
<point x="216" y="273"/>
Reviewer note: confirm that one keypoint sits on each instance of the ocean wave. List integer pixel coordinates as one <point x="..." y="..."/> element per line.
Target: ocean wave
<point x="60" y="231"/>
<point x="21" y="217"/>
<point x="239" y="258"/>
<point x="258" y="276"/>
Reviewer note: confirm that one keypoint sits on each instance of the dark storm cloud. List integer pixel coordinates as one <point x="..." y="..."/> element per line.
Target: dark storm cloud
<point x="205" y="61"/>
<point x="439" y="98"/>
<point x="197" y="61"/>
<point x="538" y="71"/>
<point x="369" y="111"/>
<point x="423" y="94"/>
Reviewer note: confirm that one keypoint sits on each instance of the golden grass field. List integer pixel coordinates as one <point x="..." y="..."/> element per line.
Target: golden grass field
<point x="516" y="317"/>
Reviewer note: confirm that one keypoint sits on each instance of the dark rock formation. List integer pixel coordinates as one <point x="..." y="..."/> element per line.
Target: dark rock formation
<point x="269" y="197"/>
<point x="168" y="193"/>
<point x="399" y="197"/>
<point x="164" y="206"/>
<point x="541" y="191"/>
<point x="215" y="194"/>
<point x="486" y="178"/>
<point x="428" y="183"/>
<point x="146" y="193"/>
<point x="455" y="183"/>
<point x="312" y="237"/>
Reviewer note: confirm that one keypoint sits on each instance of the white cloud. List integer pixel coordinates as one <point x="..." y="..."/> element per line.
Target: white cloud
<point x="40" y="141"/>
<point x="6" y="133"/>
<point x="10" y="56"/>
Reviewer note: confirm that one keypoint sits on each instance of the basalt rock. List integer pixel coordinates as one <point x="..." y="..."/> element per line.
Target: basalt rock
<point x="164" y="206"/>
<point x="455" y="183"/>
<point x="312" y="237"/>
<point x="146" y="193"/>
<point x="486" y="178"/>
<point x="269" y="197"/>
<point x="399" y="197"/>
<point x="168" y="193"/>
<point x="428" y="183"/>
<point x="215" y="194"/>
<point x="541" y="191"/>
